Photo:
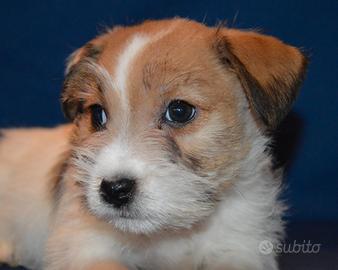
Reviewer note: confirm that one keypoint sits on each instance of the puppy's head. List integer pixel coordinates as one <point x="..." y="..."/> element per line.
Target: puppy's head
<point x="165" y="113"/>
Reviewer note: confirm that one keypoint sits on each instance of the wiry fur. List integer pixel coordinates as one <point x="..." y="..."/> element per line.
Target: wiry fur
<point x="206" y="195"/>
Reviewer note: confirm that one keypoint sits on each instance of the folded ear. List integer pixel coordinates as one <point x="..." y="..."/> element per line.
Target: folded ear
<point x="269" y="70"/>
<point x="90" y="51"/>
<point x="76" y="75"/>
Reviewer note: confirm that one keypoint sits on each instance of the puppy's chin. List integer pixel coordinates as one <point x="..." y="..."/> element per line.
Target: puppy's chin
<point x="128" y="222"/>
<point x="136" y="226"/>
<point x="126" y="219"/>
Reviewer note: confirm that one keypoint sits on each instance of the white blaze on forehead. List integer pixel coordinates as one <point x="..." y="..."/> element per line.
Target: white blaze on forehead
<point x="125" y="60"/>
<point x="135" y="45"/>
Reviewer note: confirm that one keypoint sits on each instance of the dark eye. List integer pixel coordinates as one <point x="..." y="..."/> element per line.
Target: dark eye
<point x="179" y="112"/>
<point x="99" y="117"/>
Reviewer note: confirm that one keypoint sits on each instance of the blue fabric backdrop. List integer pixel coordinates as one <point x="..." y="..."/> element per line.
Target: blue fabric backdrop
<point x="37" y="36"/>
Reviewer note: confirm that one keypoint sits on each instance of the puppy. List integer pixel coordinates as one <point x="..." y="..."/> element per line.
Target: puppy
<point x="166" y="163"/>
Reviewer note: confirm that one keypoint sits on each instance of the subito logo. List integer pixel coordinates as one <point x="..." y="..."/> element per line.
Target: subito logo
<point x="265" y="247"/>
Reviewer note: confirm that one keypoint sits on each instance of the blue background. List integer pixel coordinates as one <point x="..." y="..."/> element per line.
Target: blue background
<point x="37" y="36"/>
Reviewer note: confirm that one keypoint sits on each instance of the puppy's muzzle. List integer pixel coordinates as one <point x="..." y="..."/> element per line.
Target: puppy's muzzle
<point x="118" y="192"/>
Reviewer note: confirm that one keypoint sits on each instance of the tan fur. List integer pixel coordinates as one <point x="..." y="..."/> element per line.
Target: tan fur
<point x="26" y="159"/>
<point x="270" y="71"/>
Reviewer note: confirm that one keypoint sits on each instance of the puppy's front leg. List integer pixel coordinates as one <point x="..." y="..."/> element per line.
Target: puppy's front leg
<point x="78" y="244"/>
<point x="105" y="266"/>
<point x="82" y="249"/>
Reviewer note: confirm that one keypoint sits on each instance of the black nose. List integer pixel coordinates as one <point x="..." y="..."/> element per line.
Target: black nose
<point x="117" y="193"/>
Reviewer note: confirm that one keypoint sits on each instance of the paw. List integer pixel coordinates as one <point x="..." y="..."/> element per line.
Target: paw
<point x="106" y="266"/>
<point x="6" y="253"/>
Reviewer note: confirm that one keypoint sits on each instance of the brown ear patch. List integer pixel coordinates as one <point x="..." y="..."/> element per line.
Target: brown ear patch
<point x="79" y="82"/>
<point x="79" y="78"/>
<point x="90" y="51"/>
<point x="270" y="71"/>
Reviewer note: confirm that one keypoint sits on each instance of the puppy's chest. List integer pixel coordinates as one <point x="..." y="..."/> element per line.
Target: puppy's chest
<point x="169" y="257"/>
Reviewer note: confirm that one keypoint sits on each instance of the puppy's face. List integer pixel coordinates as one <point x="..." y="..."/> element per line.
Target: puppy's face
<point x="161" y="113"/>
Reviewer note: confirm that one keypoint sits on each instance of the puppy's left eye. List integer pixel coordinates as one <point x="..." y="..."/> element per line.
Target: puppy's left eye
<point x="179" y="112"/>
<point x="99" y="117"/>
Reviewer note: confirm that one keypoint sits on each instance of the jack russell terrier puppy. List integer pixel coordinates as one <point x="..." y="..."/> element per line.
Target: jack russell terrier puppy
<point x="166" y="164"/>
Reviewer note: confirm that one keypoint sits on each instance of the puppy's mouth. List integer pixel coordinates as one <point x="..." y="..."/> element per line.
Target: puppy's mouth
<point x="132" y="224"/>
<point x="126" y="214"/>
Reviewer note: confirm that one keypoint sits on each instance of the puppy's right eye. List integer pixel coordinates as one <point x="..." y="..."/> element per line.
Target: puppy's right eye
<point x="99" y="117"/>
<point x="179" y="112"/>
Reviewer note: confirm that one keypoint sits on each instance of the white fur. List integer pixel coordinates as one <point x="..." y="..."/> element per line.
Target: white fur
<point x="134" y="47"/>
<point x="125" y="60"/>
<point x="248" y="214"/>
